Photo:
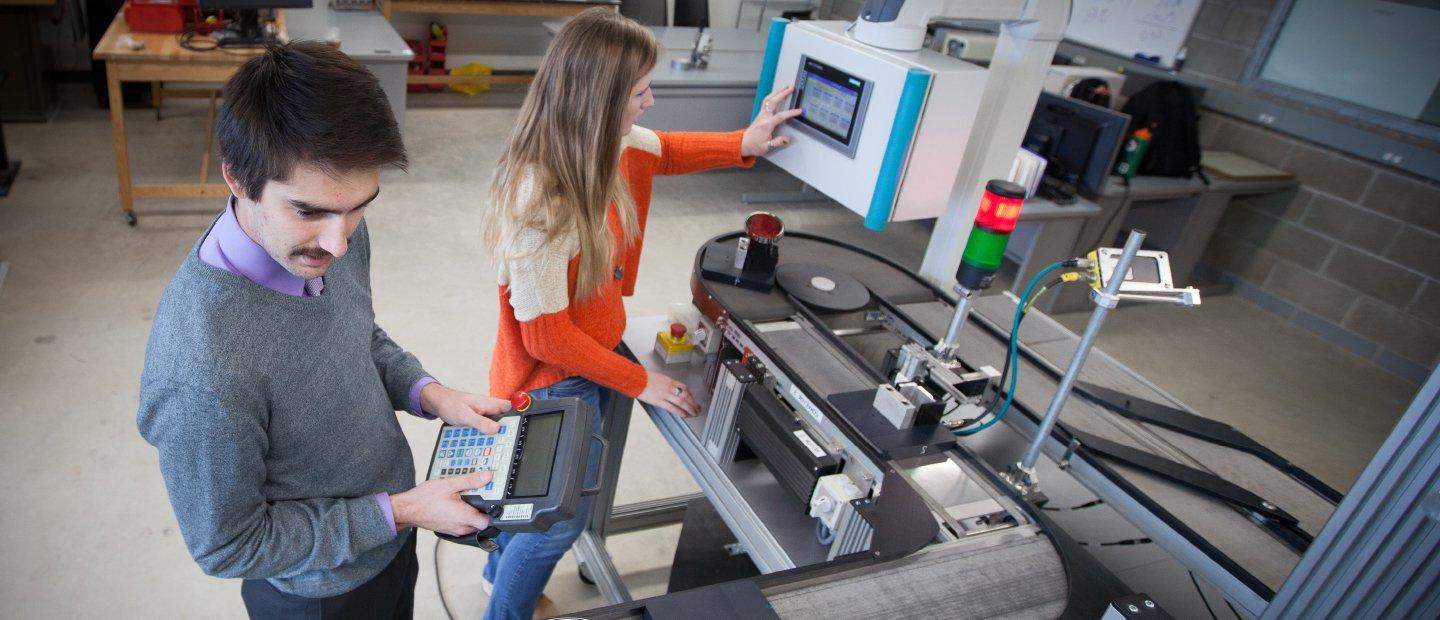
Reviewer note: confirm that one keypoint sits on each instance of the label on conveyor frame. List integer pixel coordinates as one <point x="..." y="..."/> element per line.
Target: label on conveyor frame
<point x="805" y="404"/>
<point x="804" y="438"/>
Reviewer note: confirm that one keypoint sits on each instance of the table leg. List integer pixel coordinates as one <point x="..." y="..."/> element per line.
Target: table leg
<point x="122" y="157"/>
<point x="1198" y="228"/>
<point x="157" y="97"/>
<point x="209" y="141"/>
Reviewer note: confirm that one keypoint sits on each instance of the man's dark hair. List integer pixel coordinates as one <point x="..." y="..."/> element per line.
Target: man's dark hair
<point x="309" y="103"/>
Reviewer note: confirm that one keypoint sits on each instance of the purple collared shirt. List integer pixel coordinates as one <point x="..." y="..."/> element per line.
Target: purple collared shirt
<point x="228" y="247"/>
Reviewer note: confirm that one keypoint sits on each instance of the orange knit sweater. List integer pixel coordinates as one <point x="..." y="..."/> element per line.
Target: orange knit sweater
<point x="549" y="335"/>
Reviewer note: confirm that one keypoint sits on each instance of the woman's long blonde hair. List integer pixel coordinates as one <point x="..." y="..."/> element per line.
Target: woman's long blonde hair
<point x="560" y="170"/>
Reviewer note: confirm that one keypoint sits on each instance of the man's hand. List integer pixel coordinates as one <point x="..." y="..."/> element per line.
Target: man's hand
<point x="436" y="505"/>
<point x="463" y="408"/>
<point x="670" y="395"/>
<point x="759" y="138"/>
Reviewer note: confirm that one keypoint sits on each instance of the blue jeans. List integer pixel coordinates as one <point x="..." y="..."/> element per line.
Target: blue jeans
<point x="520" y="568"/>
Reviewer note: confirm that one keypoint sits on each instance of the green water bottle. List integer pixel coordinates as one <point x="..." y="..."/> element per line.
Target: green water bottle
<point x="1134" y="152"/>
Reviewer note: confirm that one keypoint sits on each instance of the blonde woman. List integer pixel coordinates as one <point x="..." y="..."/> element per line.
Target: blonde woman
<point x="565" y="226"/>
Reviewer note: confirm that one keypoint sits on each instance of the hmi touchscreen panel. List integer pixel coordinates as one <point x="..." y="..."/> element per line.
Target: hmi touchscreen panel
<point x="832" y="104"/>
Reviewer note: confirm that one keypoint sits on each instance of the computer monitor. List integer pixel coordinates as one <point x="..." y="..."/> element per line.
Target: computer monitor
<point x="244" y="29"/>
<point x="1079" y="142"/>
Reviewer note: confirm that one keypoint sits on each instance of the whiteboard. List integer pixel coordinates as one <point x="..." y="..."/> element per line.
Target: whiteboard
<point x="1154" y="28"/>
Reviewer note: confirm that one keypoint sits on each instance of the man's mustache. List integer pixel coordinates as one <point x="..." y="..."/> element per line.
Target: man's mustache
<point x="312" y="253"/>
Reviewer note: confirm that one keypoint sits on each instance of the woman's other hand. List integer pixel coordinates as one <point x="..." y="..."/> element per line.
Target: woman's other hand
<point x="670" y="395"/>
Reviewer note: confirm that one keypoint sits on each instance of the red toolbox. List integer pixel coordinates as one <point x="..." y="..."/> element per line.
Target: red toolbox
<point x="158" y="15"/>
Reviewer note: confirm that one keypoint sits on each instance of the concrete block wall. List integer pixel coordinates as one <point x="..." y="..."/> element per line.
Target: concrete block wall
<point x="841" y="9"/>
<point x="1223" y="38"/>
<point x="1352" y="255"/>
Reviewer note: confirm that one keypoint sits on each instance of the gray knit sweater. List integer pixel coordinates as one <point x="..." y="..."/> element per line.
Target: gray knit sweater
<point x="275" y="420"/>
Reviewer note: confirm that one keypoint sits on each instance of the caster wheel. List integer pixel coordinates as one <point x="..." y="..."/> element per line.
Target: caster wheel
<point x="130" y="218"/>
<point x="585" y="575"/>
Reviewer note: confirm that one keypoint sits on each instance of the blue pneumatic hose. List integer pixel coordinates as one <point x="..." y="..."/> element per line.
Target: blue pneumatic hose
<point x="1014" y="351"/>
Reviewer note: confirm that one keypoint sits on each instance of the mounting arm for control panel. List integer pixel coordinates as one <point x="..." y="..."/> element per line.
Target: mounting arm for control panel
<point x="900" y="24"/>
<point x="1029" y="32"/>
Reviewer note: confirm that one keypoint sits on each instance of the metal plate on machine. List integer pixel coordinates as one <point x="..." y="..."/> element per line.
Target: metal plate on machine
<point x="822" y="287"/>
<point x="814" y="363"/>
<point x="894" y="443"/>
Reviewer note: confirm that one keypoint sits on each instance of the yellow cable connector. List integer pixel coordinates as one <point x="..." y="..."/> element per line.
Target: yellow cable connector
<point x="1069" y="276"/>
<point x="1094" y="271"/>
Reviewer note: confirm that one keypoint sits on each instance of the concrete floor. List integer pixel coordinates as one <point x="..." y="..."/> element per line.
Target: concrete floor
<point x="87" y="527"/>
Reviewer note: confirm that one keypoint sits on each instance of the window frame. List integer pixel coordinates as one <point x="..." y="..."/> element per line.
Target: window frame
<point x="1251" y="78"/>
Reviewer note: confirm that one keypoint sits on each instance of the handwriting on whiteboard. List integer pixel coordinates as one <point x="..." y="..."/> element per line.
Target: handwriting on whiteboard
<point x="1098" y="12"/>
<point x="1155" y="28"/>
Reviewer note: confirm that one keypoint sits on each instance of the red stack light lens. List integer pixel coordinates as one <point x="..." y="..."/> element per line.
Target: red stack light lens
<point x="1000" y="206"/>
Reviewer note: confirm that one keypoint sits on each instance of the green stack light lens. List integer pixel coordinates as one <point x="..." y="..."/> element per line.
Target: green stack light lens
<point x="985" y="249"/>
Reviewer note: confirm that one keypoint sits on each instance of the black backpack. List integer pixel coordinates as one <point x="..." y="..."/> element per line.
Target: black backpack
<point x="1168" y="109"/>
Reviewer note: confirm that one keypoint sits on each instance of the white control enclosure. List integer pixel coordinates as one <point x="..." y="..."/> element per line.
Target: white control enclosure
<point x="851" y="168"/>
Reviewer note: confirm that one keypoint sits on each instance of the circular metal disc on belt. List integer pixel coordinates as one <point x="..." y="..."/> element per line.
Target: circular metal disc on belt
<point x="822" y="287"/>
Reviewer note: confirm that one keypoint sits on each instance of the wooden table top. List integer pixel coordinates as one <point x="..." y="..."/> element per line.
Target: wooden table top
<point x="162" y="47"/>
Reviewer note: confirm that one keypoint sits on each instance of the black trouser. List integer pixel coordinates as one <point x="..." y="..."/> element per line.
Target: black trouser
<point x="390" y="594"/>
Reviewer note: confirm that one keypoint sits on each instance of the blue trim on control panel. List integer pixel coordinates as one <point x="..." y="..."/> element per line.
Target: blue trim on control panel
<point x="767" y="65"/>
<point x="902" y="134"/>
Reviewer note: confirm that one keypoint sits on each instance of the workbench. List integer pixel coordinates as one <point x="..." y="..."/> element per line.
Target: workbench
<point x="522" y="8"/>
<point x="364" y="36"/>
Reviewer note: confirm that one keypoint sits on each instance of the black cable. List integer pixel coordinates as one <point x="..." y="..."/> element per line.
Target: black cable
<point x="186" y="39"/>
<point x="1202" y="595"/>
<point x="1090" y="504"/>
<point x="1117" y="543"/>
<point x="439" y="585"/>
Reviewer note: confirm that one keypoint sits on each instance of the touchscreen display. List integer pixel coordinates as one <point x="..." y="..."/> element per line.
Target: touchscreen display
<point x="542" y="436"/>
<point x="829" y="99"/>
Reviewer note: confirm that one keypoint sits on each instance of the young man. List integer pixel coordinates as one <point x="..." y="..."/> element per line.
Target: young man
<point x="268" y="388"/>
